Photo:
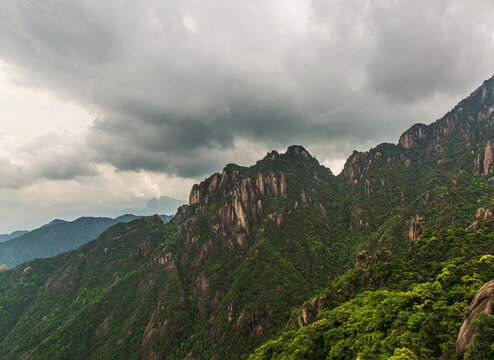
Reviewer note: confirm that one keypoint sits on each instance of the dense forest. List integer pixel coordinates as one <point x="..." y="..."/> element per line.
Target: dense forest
<point x="285" y="260"/>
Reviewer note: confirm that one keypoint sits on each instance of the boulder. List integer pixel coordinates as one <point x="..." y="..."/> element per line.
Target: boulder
<point x="482" y="302"/>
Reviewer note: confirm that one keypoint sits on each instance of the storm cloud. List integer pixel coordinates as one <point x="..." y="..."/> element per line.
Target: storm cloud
<point x="185" y="87"/>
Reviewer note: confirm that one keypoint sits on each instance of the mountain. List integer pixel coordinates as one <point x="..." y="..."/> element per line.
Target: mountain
<point x="54" y="238"/>
<point x="161" y="205"/>
<point x="284" y="260"/>
<point x="13" y="235"/>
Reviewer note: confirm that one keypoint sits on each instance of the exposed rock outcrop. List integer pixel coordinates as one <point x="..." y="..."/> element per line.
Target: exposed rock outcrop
<point x="3" y="267"/>
<point x="488" y="157"/>
<point x="360" y="259"/>
<point x="352" y="170"/>
<point x="359" y="163"/>
<point x="365" y="260"/>
<point x="412" y="135"/>
<point x="195" y="195"/>
<point x="483" y="215"/>
<point x="417" y="227"/>
<point x="482" y="302"/>
<point x="311" y="309"/>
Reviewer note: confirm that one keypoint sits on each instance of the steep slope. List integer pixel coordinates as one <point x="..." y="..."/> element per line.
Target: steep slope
<point x="254" y="242"/>
<point x="94" y="302"/>
<point x="54" y="238"/>
<point x="429" y="173"/>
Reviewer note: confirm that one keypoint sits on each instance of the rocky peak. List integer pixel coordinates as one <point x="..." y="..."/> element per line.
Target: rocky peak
<point x="359" y="163"/>
<point x="293" y="153"/>
<point x="483" y="95"/>
<point x="410" y="137"/>
<point x="268" y="176"/>
<point x="272" y="155"/>
<point x="298" y="150"/>
<point x="234" y="204"/>
<point x="239" y="197"/>
<point x="352" y="169"/>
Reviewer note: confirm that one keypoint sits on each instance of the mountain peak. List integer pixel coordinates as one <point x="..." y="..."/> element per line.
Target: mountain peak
<point x="299" y="150"/>
<point x="463" y="119"/>
<point x="292" y="150"/>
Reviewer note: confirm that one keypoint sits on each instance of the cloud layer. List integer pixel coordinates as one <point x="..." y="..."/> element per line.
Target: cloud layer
<point x="176" y="84"/>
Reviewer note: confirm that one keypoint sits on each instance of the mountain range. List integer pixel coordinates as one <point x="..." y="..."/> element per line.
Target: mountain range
<point x="56" y="237"/>
<point x="285" y="260"/>
<point x="12" y="235"/>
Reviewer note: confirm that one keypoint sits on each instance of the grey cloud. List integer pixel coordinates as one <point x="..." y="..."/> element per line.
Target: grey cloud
<point x="182" y="88"/>
<point x="51" y="156"/>
<point x="423" y="48"/>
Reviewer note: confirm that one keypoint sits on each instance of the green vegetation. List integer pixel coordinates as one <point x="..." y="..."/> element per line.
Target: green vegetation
<point x="403" y="318"/>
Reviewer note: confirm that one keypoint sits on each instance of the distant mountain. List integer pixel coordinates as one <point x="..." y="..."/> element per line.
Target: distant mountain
<point x="161" y="205"/>
<point x="166" y="218"/>
<point x="56" y="237"/>
<point x="15" y="234"/>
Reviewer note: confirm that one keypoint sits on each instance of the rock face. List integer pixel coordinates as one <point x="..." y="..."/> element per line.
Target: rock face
<point x="488" y="157"/>
<point x="482" y="302"/>
<point x="3" y="267"/>
<point x="244" y="208"/>
<point x="483" y="215"/>
<point x="311" y="309"/>
<point x="417" y="227"/>
<point x="365" y="261"/>
<point x="412" y="135"/>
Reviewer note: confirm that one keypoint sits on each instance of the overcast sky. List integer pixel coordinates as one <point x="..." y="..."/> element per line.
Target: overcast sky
<point x="105" y="104"/>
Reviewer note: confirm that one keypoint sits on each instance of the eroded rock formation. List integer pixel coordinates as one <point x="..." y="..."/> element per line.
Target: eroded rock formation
<point x="483" y="215"/>
<point x="412" y="135"/>
<point x="417" y="227"/>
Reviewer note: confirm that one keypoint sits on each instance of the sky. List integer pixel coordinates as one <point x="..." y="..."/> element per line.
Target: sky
<point x="106" y="104"/>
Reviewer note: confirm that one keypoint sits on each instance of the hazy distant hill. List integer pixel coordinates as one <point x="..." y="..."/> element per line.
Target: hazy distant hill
<point x="161" y="205"/>
<point x="15" y="234"/>
<point x="56" y="237"/>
